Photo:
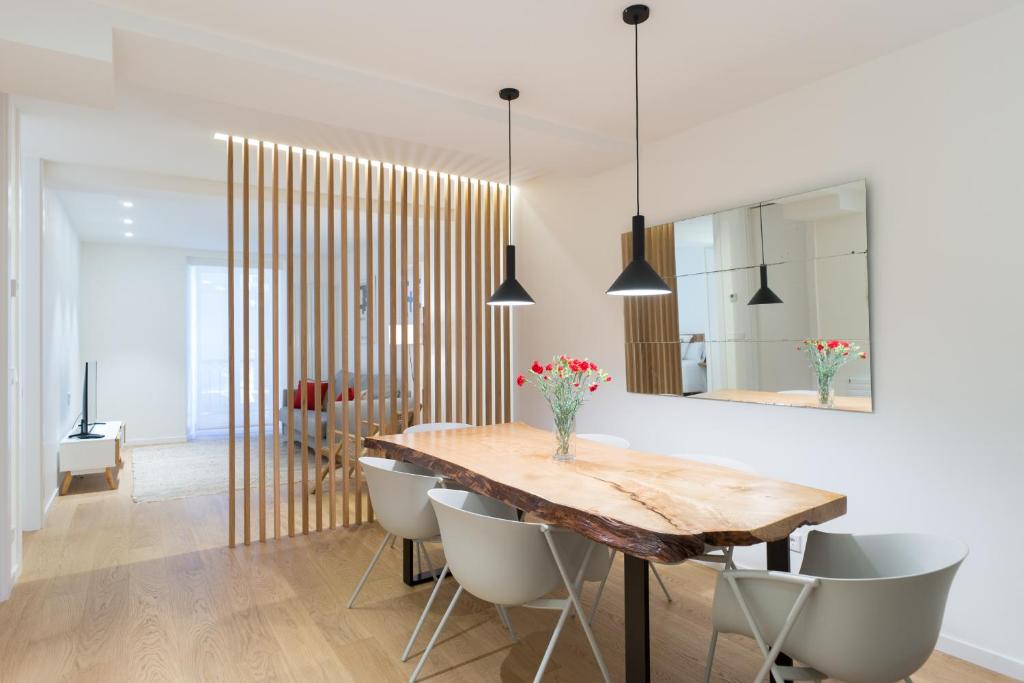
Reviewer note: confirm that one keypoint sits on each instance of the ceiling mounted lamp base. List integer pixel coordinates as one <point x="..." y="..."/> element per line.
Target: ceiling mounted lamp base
<point x="510" y="292"/>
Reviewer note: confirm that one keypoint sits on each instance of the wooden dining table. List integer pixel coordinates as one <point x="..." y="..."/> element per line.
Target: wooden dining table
<point x="652" y="508"/>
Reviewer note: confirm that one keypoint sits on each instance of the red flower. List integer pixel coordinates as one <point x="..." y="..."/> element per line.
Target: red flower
<point x="593" y="387"/>
<point x="608" y="378"/>
<point x="548" y="367"/>
<point x="537" y="368"/>
<point x="833" y="344"/>
<point x="846" y="353"/>
<point x="863" y="354"/>
<point x="820" y="347"/>
<point x="520" y="380"/>
<point x="845" y="344"/>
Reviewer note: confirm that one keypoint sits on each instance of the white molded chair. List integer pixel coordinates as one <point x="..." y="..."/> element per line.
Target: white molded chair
<point x="435" y="427"/>
<point x="607" y="439"/>
<point x="508" y="563"/>
<point x="864" y="608"/>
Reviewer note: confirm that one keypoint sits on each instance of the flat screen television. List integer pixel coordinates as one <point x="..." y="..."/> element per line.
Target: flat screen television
<point x="90" y="383"/>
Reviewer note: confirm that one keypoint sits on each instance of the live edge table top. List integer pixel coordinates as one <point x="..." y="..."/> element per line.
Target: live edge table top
<point x="653" y="507"/>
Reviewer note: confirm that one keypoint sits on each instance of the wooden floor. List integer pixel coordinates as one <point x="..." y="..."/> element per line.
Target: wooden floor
<point x="117" y="591"/>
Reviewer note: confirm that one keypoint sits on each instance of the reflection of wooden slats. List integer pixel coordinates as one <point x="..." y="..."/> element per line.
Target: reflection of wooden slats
<point x="246" y="402"/>
<point x="407" y="297"/>
<point x="654" y="366"/>
<point x="231" y="342"/>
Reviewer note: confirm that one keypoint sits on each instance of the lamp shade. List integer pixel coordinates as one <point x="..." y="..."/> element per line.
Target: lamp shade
<point x="639" y="278"/>
<point x="764" y="295"/>
<point x="510" y="292"/>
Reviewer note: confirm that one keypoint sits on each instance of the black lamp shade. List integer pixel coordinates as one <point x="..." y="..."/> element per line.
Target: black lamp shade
<point x="639" y="278"/>
<point x="510" y="292"/>
<point x="764" y="295"/>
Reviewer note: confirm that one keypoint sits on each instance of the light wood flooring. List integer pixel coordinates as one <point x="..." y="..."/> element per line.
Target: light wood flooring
<point x="117" y="591"/>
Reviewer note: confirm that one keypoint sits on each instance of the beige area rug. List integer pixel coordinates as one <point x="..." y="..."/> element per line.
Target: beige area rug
<point x="199" y="468"/>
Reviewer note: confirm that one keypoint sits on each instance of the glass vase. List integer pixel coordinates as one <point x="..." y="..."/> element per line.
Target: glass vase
<point x="565" y="438"/>
<point x="826" y="390"/>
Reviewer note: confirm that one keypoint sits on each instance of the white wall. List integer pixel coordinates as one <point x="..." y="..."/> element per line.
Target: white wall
<point x="134" y="323"/>
<point x="30" y="290"/>
<point x="60" y="398"/>
<point x="937" y="131"/>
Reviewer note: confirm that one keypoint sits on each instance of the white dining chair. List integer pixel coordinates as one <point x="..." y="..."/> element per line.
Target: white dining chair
<point x="435" y="427"/>
<point x="510" y="563"/>
<point x="863" y="609"/>
<point x="606" y="439"/>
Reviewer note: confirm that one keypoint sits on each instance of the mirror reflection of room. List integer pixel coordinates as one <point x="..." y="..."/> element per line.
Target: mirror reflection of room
<point x="758" y="289"/>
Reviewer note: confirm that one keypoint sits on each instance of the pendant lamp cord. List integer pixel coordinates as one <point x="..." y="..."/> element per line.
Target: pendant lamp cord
<point x="760" y="217"/>
<point x="508" y="200"/>
<point x="636" y="107"/>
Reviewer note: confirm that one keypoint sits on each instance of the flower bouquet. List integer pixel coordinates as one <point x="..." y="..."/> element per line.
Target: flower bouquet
<point x="827" y="356"/>
<point x="565" y="384"/>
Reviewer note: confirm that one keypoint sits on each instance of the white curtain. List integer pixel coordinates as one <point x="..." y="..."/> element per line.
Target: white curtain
<point x="208" y="407"/>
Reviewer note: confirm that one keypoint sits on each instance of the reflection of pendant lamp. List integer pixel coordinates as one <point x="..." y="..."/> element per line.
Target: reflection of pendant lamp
<point x="764" y="295"/>
<point x="638" y="278"/>
<point x="510" y="292"/>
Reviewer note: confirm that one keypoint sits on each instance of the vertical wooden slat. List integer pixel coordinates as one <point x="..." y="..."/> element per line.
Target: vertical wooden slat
<point x="438" y="313"/>
<point x="467" y="304"/>
<point x="486" y="310"/>
<point x="290" y="403"/>
<point x="345" y="271"/>
<point x="478" y="305"/>
<point x="246" y="417"/>
<point x="304" y="333"/>
<point x="231" y="342"/>
<point x="493" y="311"/>
<point x="275" y="396"/>
<point x="447" y="317"/>
<point x="357" y="342"/>
<point x="404" y="270"/>
<point x="381" y="302"/>
<point x="417" y="301"/>
<point x="457" y="304"/>
<point x="393" y="301"/>
<point x="332" y="390"/>
<point x="317" y="350"/>
<point x="261" y="348"/>
<point x="506" y="317"/>
<point x="370" y="386"/>
<point x="428" y="308"/>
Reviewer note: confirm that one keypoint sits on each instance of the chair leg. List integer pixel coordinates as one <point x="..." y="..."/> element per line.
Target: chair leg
<point x="711" y="656"/>
<point x="668" y="596"/>
<point x="729" y="564"/>
<point x="433" y="638"/>
<point x="600" y="589"/>
<point x="507" y="621"/>
<point x="423" y="616"/>
<point x="554" y="639"/>
<point x="366" y="574"/>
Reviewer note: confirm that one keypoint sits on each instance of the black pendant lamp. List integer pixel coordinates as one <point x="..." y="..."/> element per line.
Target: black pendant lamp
<point x="764" y="295"/>
<point x="638" y="278"/>
<point x="510" y="292"/>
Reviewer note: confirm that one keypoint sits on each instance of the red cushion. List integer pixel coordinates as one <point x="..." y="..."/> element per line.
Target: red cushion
<point x="350" y="395"/>
<point x="310" y="387"/>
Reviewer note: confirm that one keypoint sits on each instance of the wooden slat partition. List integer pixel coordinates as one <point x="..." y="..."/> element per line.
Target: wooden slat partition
<point x="386" y="272"/>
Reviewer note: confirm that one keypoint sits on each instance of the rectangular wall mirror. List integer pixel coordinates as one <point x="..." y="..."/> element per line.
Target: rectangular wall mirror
<point x="755" y="291"/>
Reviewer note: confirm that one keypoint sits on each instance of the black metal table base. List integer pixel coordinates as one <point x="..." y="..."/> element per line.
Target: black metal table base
<point x="408" y="576"/>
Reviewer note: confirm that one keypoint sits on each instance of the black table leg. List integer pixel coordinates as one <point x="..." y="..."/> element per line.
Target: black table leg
<point x="778" y="560"/>
<point x="638" y="624"/>
<point x="408" y="576"/>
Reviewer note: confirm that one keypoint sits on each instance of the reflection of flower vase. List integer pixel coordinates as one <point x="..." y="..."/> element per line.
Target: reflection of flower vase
<point x="826" y="389"/>
<point x="565" y="437"/>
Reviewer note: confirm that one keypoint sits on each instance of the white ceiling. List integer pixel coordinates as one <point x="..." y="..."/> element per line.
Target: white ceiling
<point x="415" y="82"/>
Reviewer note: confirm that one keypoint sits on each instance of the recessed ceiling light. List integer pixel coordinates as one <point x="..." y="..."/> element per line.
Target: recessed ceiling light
<point x="127" y="204"/>
<point x="127" y="221"/>
<point x="129" y="234"/>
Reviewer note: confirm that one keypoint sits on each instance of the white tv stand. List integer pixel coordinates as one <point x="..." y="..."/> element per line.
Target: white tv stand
<point x="91" y="456"/>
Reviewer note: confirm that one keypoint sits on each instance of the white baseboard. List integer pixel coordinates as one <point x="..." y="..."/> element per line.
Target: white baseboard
<point x="156" y="441"/>
<point x="1008" y="666"/>
<point x="49" y="501"/>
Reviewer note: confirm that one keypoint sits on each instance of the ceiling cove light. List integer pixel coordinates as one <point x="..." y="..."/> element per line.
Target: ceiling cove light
<point x="127" y="204"/>
<point x="127" y="221"/>
<point x="510" y="292"/>
<point x="764" y="295"/>
<point x="129" y="234"/>
<point x="638" y="278"/>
